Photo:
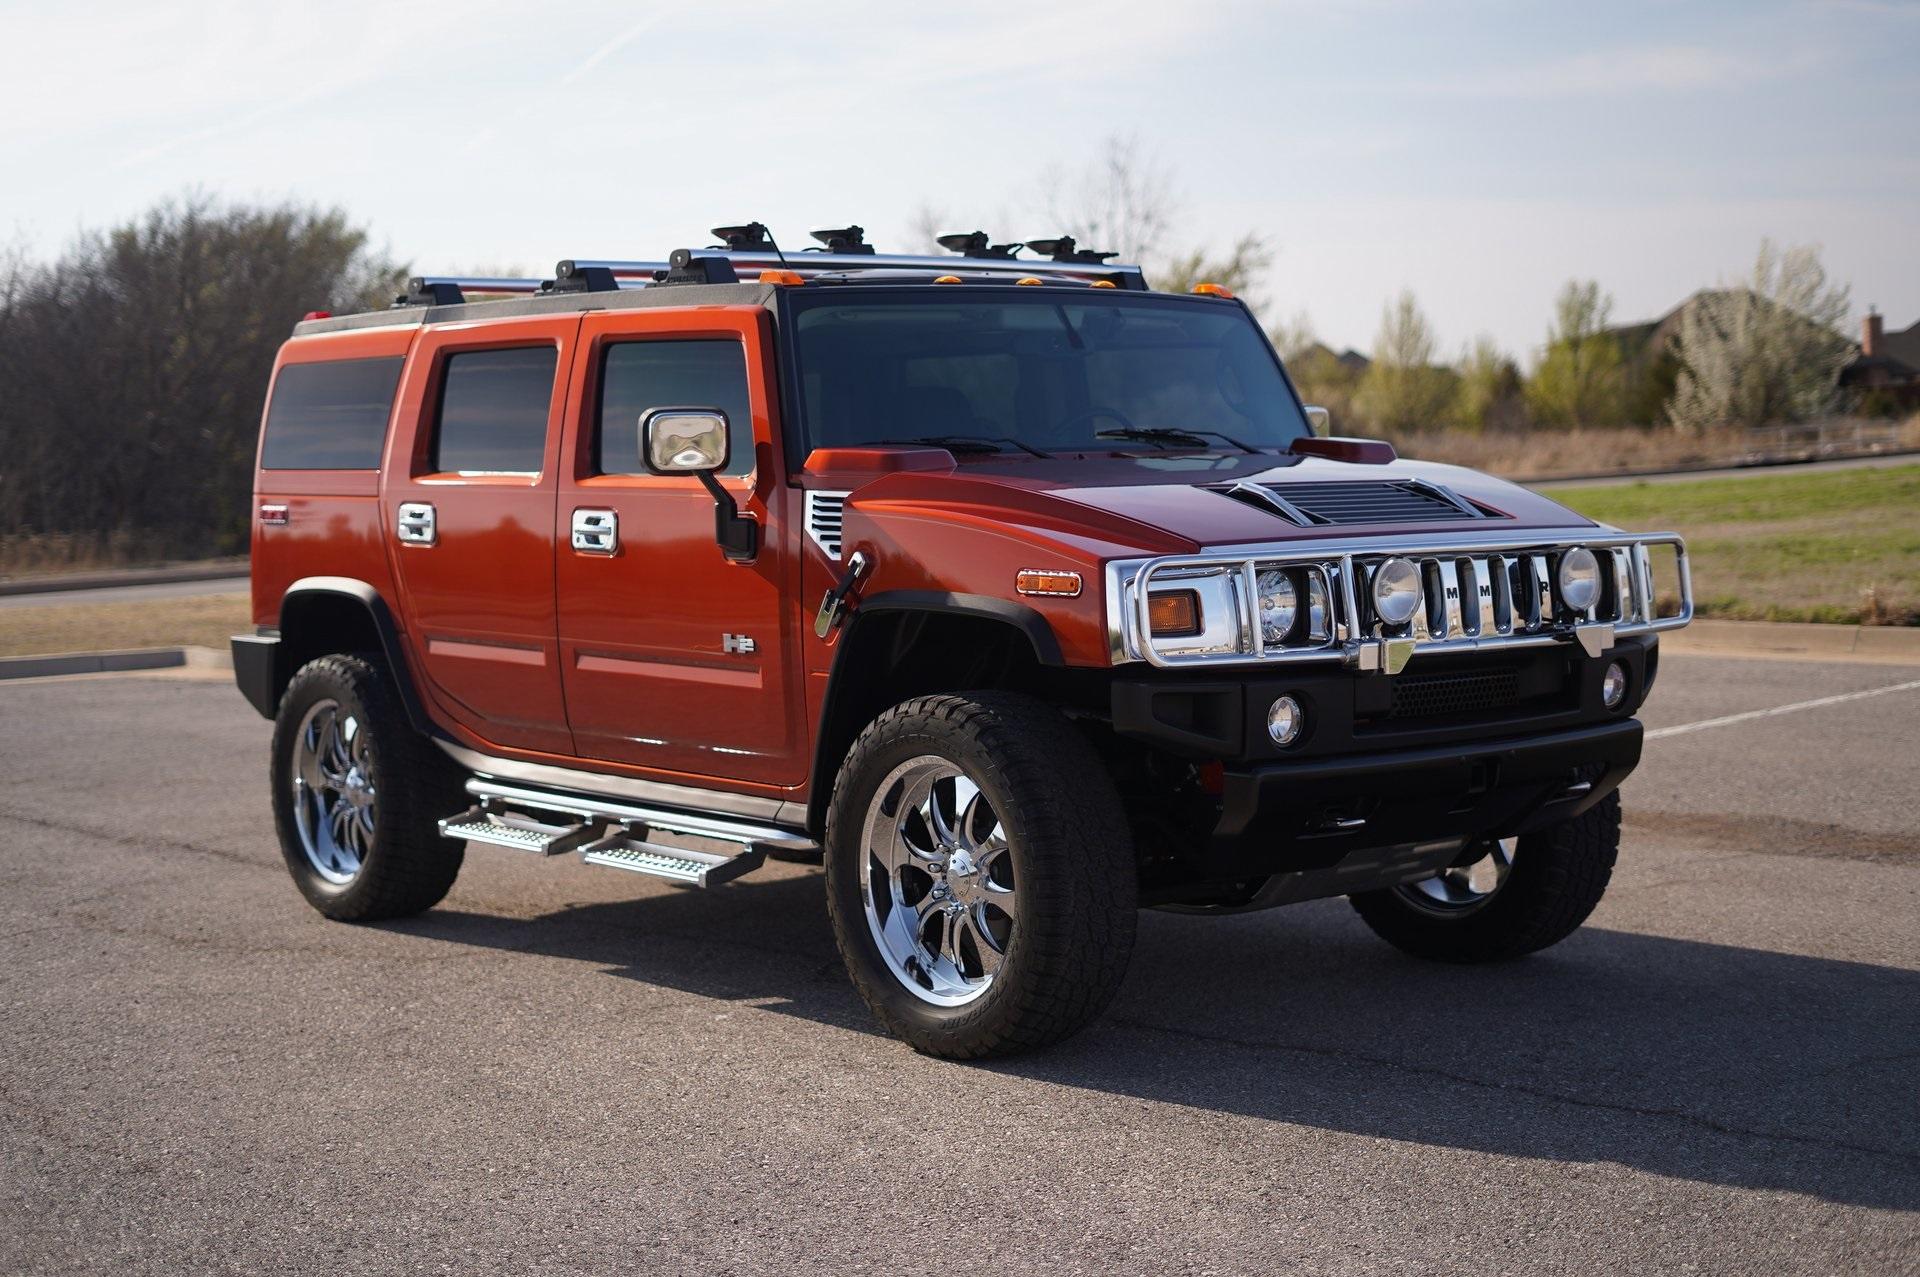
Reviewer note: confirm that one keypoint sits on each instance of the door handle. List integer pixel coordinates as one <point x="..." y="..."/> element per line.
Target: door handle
<point x="415" y="525"/>
<point x="596" y="531"/>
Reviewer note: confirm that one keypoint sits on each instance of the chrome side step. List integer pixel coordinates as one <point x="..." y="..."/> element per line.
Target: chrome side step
<point x="615" y="834"/>
<point x="485" y="824"/>
<point x="622" y="850"/>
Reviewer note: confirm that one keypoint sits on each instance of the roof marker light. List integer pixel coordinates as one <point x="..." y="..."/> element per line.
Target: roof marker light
<point x="1027" y="281"/>
<point x="786" y="277"/>
<point x="946" y="279"/>
<point x="316" y="314"/>
<point x="1103" y="283"/>
<point x="1213" y="290"/>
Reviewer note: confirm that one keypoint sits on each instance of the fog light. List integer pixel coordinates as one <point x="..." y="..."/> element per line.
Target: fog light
<point x="1579" y="578"/>
<point x="1285" y="720"/>
<point x="1613" y="685"/>
<point x="1396" y="590"/>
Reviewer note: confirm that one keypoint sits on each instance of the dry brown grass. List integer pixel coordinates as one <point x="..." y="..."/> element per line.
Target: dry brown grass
<point x="197" y="620"/>
<point x="1549" y="454"/>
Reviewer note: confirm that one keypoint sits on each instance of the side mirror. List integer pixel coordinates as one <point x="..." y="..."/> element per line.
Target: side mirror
<point x="684" y="440"/>
<point x="1319" y="420"/>
<point x="695" y="441"/>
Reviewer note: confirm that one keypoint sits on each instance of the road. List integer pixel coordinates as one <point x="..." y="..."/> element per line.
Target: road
<point x="1778" y="470"/>
<point x="572" y="1069"/>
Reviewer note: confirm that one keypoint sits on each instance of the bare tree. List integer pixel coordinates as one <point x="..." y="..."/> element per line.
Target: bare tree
<point x="1578" y="381"/>
<point x="1763" y="351"/>
<point x="1122" y="201"/>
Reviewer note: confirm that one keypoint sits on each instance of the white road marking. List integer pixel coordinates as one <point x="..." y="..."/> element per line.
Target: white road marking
<point x="1705" y="723"/>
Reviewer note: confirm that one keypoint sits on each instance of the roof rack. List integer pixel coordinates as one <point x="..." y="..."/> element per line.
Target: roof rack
<point x="452" y="290"/>
<point x="808" y="265"/>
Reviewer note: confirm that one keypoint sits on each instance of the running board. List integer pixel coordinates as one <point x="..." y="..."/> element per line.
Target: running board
<point x="522" y="833"/>
<point x="622" y="850"/>
<point x="615" y="834"/>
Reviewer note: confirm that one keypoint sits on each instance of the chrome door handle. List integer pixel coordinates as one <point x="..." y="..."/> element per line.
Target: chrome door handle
<point x="415" y="525"/>
<point x="596" y="531"/>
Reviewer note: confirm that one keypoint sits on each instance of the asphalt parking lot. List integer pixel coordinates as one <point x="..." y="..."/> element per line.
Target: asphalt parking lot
<point x="572" y="1069"/>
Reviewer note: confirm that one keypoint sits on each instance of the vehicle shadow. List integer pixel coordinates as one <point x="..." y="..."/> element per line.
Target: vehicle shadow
<point x="1704" y="1062"/>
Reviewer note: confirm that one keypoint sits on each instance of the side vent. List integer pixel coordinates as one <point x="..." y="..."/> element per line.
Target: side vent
<point x="824" y="512"/>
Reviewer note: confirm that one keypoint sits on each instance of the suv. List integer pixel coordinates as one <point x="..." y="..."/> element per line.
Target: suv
<point x="1021" y="594"/>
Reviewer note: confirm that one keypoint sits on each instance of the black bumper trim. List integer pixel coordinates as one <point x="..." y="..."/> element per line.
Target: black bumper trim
<point x="1287" y="817"/>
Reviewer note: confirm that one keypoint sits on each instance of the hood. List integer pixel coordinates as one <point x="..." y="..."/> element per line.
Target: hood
<point x="1176" y="504"/>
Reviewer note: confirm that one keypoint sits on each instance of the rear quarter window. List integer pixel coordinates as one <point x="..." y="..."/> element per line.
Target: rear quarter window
<point x="330" y="416"/>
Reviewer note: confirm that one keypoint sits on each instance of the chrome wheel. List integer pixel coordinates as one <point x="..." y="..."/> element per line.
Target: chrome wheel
<point x="1462" y="888"/>
<point x="333" y="796"/>
<point x="940" y="896"/>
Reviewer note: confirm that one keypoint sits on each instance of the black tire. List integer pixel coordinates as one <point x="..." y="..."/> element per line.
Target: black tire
<point x="1071" y="853"/>
<point x="1559" y="874"/>
<point x="408" y="867"/>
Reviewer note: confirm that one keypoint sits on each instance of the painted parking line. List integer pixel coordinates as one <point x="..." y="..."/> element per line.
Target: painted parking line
<point x="1705" y="723"/>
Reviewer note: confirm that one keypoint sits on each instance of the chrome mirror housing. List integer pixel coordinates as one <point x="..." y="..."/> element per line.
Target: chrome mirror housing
<point x="684" y="440"/>
<point x="1319" y="420"/>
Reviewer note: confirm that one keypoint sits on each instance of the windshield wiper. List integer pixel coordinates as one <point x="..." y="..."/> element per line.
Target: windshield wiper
<point x="1156" y="434"/>
<point x="971" y="443"/>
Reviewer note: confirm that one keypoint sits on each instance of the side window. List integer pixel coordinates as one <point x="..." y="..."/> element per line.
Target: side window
<point x="493" y="411"/>
<point x="638" y="376"/>
<point x="330" y="416"/>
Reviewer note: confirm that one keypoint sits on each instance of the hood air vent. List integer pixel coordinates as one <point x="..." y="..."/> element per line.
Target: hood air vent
<point x="1360" y="501"/>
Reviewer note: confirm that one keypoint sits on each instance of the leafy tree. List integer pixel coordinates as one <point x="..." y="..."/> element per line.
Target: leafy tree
<point x="1490" y="393"/>
<point x="1768" y="350"/>
<point x="1578" y="382"/>
<point x="135" y="367"/>
<point x="1404" y="389"/>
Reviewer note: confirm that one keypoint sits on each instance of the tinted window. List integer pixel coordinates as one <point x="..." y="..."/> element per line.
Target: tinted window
<point x="330" y="416"/>
<point x="493" y="411"/>
<point x="1049" y="372"/>
<point x="640" y="376"/>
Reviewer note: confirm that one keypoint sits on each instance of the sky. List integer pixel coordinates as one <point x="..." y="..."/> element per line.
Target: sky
<point x="1479" y="154"/>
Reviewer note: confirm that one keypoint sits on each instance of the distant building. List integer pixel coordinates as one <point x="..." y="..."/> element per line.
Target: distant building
<point x="1886" y="373"/>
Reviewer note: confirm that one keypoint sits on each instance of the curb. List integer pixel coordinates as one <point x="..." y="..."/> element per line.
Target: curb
<point x="1798" y="640"/>
<point x="114" y="579"/>
<point x="147" y="658"/>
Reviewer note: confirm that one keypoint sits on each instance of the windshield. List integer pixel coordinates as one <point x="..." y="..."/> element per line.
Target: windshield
<point x="993" y="372"/>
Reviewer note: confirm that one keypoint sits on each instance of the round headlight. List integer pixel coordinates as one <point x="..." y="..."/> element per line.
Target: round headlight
<point x="1613" y="685"/>
<point x="1279" y="603"/>
<point x="1284" y="721"/>
<point x="1396" y="590"/>
<point x="1579" y="578"/>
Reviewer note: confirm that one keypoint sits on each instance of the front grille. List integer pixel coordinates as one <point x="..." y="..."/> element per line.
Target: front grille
<point x="1453" y="695"/>
<point x="1360" y="501"/>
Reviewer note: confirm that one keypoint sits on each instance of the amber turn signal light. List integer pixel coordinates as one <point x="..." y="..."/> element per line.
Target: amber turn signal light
<point x="1033" y="581"/>
<point x="1173" y="613"/>
<point x="787" y="277"/>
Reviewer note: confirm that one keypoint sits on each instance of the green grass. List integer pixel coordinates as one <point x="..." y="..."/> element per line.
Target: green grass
<point x="1837" y="545"/>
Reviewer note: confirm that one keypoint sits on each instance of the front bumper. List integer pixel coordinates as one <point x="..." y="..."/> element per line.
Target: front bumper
<point x="1334" y="826"/>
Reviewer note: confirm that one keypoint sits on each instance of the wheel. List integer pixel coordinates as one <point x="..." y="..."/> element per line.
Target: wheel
<point x="980" y="876"/>
<point x="358" y="794"/>
<point x="1518" y="897"/>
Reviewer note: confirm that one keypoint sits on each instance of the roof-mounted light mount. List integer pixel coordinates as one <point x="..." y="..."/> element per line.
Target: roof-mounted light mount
<point x="977" y="244"/>
<point x="848" y="240"/>
<point x="1064" y="249"/>
<point x="751" y="238"/>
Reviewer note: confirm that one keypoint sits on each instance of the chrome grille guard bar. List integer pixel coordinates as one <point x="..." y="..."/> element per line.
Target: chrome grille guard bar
<point x="1503" y="594"/>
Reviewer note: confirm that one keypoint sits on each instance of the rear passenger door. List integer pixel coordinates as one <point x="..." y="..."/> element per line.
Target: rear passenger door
<point x="469" y="516"/>
<point x="676" y="659"/>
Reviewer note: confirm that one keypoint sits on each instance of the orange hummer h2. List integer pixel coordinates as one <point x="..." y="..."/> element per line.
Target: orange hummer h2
<point x="1022" y="594"/>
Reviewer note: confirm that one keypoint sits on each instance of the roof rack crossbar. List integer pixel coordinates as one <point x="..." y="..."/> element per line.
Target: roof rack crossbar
<point x="809" y="264"/>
